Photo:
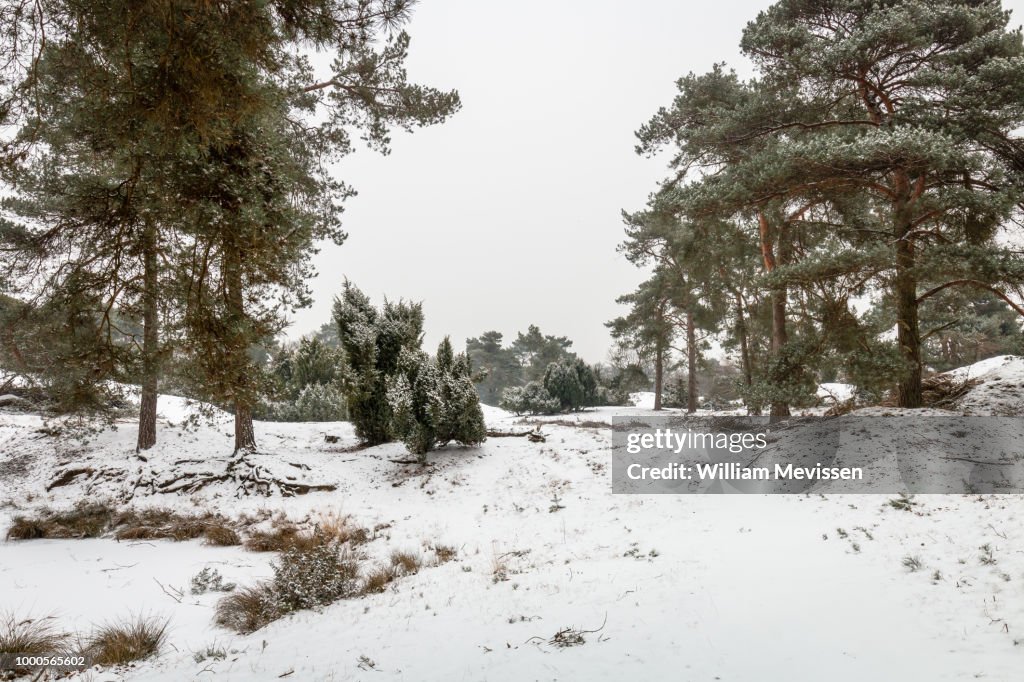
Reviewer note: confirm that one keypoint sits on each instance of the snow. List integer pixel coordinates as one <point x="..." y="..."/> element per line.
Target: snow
<point x="87" y="582"/>
<point x="642" y="399"/>
<point x="1002" y="389"/>
<point x="835" y="392"/>
<point x="742" y="587"/>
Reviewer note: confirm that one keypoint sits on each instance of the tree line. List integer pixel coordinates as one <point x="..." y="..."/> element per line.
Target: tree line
<point x="167" y="175"/>
<point x="538" y="373"/>
<point x="851" y="212"/>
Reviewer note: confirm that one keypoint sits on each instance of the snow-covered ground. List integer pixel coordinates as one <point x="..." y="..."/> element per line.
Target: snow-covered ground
<point x="672" y="587"/>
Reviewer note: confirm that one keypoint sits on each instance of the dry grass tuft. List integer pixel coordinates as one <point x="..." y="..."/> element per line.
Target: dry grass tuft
<point x="285" y="535"/>
<point x="31" y="636"/>
<point x="118" y="643"/>
<point x="221" y="535"/>
<point x="163" y="524"/>
<point x="340" y="527"/>
<point x="93" y="520"/>
<point x="23" y="528"/>
<point x="280" y="539"/>
<point x="444" y="553"/>
<point x="358" y="536"/>
<point x="378" y="579"/>
<point x="247" y="610"/>
<point x="84" y="520"/>
<point x="407" y="563"/>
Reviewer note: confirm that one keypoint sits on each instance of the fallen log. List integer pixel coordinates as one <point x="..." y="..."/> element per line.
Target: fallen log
<point x="532" y="436"/>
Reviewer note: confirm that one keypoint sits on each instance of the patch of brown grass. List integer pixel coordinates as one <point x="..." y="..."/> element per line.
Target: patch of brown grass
<point x="221" y="535"/>
<point x="280" y="539"/>
<point x="286" y="535"/>
<point x="444" y="553"/>
<point x="378" y="579"/>
<point x="23" y="528"/>
<point x="84" y="520"/>
<point x="407" y="563"/>
<point x="247" y="609"/>
<point x="91" y="520"/>
<point x="163" y="524"/>
<point x="31" y="636"/>
<point x="340" y="527"/>
<point x="121" y="642"/>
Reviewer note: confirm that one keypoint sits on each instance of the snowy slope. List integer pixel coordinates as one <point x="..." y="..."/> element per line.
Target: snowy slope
<point x="675" y="587"/>
<point x="1001" y="391"/>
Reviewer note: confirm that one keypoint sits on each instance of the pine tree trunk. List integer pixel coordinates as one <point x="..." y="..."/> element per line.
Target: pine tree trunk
<point x="659" y="375"/>
<point x="741" y="333"/>
<point x="150" y="341"/>
<point x="908" y="393"/>
<point x="780" y="337"/>
<point x="691" y="364"/>
<point x="245" y="435"/>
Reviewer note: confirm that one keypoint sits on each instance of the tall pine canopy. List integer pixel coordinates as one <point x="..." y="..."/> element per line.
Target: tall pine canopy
<point x="875" y="154"/>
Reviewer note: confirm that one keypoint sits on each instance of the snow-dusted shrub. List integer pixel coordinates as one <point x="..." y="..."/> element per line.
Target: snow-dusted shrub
<point x="572" y="383"/>
<point x="306" y="381"/>
<point x="611" y="396"/>
<point x="313" y="403"/>
<point x="373" y="341"/>
<point x="210" y="580"/>
<point x="532" y="398"/>
<point x="433" y="401"/>
<point x="512" y="399"/>
<point x="320" y="403"/>
<point x="408" y="394"/>
<point x="311" y="577"/>
<point x="563" y="384"/>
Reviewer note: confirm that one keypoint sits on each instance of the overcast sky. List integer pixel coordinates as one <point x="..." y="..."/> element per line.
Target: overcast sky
<point x="509" y="214"/>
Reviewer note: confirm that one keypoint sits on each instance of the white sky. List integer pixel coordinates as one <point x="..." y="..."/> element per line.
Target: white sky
<point x="509" y="213"/>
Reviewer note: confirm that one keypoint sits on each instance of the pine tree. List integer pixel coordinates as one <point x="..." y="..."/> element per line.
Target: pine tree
<point x="455" y="406"/>
<point x="273" y="200"/>
<point x="905" y="122"/>
<point x="535" y="351"/>
<point x="497" y="366"/>
<point x="647" y="328"/>
<point x="713" y="123"/>
<point x="433" y="401"/>
<point x="373" y="343"/>
<point x="89" y="173"/>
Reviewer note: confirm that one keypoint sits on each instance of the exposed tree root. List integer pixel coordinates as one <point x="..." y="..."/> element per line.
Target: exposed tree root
<point x="248" y="476"/>
<point x="68" y="475"/>
<point x="92" y="476"/>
